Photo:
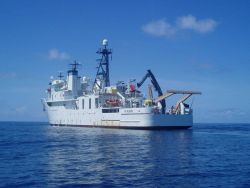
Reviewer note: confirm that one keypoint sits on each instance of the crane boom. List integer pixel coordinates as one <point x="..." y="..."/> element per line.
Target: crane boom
<point x="183" y="92"/>
<point x="173" y="92"/>
<point x="156" y="86"/>
<point x="166" y="95"/>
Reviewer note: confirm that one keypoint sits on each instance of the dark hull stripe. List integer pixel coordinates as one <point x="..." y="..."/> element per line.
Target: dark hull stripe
<point x="127" y="127"/>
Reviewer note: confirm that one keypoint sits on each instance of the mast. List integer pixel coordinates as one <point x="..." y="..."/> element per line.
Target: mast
<point x="74" y="67"/>
<point x="102" y="76"/>
<point x="72" y="80"/>
<point x="60" y="76"/>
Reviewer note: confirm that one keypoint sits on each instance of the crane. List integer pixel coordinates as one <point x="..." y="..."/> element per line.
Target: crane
<point x="157" y="87"/>
<point x="186" y="95"/>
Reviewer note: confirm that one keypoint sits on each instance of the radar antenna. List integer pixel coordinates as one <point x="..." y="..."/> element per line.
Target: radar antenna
<point x="74" y="67"/>
<point x="102" y="76"/>
<point x="60" y="76"/>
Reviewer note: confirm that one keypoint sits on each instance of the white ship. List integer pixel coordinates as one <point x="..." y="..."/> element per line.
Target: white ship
<point x="76" y="101"/>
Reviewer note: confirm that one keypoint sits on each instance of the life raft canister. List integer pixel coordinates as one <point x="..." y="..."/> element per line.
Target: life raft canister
<point x="132" y="88"/>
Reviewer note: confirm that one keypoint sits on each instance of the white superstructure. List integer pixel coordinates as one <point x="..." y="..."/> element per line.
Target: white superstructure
<point x="75" y="101"/>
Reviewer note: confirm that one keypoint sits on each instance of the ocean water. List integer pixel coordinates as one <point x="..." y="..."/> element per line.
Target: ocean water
<point x="39" y="155"/>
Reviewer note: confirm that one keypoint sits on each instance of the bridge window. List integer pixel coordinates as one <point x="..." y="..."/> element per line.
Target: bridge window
<point x="82" y="103"/>
<point x="89" y="103"/>
<point x="96" y="102"/>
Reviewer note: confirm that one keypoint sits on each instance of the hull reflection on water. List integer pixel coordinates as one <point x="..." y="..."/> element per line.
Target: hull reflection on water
<point x="90" y="156"/>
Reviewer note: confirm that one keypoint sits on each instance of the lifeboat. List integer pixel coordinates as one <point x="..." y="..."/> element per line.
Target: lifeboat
<point x="113" y="102"/>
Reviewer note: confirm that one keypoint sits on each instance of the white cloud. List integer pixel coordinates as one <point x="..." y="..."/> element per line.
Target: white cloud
<point x="162" y="28"/>
<point x="20" y="109"/>
<point x="55" y="54"/>
<point x="192" y="23"/>
<point x="159" y="28"/>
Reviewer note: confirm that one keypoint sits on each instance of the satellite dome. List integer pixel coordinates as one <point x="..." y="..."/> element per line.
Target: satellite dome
<point x="105" y="42"/>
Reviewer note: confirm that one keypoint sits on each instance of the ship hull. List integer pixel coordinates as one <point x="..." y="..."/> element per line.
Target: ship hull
<point x="125" y="118"/>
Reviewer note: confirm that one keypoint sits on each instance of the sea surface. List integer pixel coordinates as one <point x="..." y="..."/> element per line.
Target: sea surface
<point x="208" y="155"/>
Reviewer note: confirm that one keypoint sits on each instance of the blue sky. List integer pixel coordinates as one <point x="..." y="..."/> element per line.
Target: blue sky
<point x="198" y="45"/>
